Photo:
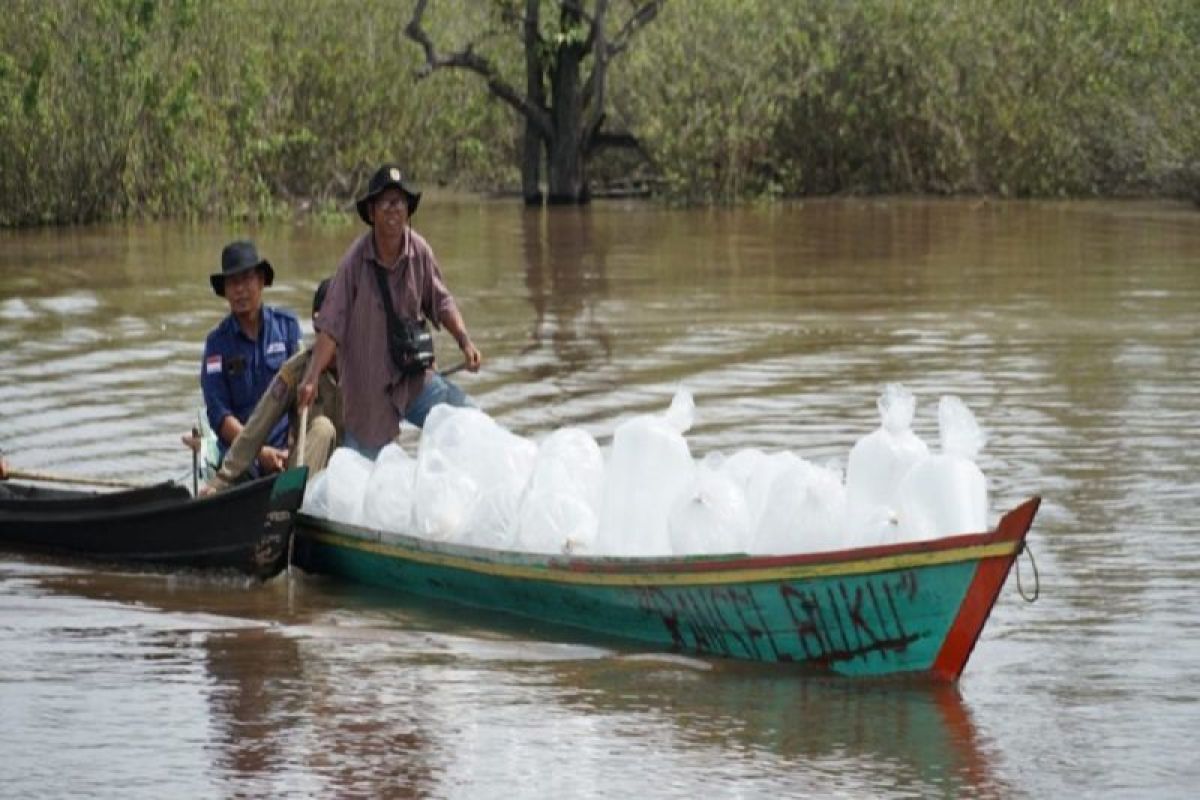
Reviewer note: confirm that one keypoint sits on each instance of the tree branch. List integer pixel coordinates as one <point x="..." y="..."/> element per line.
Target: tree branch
<point x="620" y="139"/>
<point x="595" y="22"/>
<point x="642" y="17"/>
<point x="605" y="51"/>
<point x="468" y="59"/>
<point x="596" y="83"/>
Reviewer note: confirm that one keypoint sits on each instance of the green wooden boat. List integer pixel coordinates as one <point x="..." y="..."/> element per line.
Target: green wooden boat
<point x="913" y="609"/>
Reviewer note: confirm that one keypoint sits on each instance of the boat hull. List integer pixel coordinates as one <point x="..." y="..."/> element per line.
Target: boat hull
<point x="911" y="609"/>
<point x="246" y="528"/>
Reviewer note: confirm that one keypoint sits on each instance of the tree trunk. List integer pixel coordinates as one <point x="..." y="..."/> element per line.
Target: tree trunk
<point x="567" y="182"/>
<point x="531" y="166"/>
<point x="563" y="128"/>
<point x="532" y="143"/>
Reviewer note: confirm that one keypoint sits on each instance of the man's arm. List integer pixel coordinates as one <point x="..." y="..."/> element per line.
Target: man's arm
<point x="322" y="355"/>
<point x="229" y="429"/>
<point x="453" y="322"/>
<point x="218" y="400"/>
<point x="439" y="306"/>
<point x="248" y="443"/>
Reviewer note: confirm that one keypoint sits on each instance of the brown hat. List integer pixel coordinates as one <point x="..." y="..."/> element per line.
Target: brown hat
<point x="385" y="177"/>
<point x="238" y="257"/>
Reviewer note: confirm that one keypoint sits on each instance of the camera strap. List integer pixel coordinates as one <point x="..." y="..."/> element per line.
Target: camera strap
<point x="409" y="343"/>
<point x="389" y="310"/>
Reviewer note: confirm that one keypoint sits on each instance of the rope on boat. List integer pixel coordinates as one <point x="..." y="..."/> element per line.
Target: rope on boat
<point x="1037" y="583"/>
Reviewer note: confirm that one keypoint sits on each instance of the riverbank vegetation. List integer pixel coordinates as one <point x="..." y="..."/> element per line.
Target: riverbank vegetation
<point x="131" y="108"/>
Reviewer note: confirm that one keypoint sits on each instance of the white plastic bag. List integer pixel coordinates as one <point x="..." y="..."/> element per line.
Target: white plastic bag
<point x="946" y="494"/>
<point x="388" y="503"/>
<point x="556" y="522"/>
<point x="877" y="465"/>
<point x="560" y="507"/>
<point x="316" y="496"/>
<point x="569" y="460"/>
<point x="648" y="468"/>
<point x="444" y="497"/>
<point x="471" y="474"/>
<point x="763" y="469"/>
<point x="711" y="517"/>
<point x="346" y="484"/>
<point x="805" y="512"/>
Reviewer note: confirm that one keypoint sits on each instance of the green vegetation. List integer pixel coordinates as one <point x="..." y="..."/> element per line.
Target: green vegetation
<point x="117" y="108"/>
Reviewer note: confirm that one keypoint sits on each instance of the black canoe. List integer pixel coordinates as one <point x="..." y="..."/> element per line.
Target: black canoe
<point x="245" y="528"/>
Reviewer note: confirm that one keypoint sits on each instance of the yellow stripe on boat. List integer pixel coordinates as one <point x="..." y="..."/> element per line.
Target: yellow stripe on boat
<point x="554" y="574"/>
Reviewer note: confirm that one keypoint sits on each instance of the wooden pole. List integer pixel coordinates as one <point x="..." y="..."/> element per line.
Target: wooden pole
<point x="195" y="464"/>
<point x="301" y="437"/>
<point x="48" y="477"/>
<point x="301" y="441"/>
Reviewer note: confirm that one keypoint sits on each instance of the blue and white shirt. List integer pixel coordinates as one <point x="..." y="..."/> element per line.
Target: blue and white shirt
<point x="237" y="370"/>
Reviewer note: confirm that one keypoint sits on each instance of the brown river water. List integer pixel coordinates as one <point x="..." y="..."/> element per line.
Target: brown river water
<point x="1072" y="331"/>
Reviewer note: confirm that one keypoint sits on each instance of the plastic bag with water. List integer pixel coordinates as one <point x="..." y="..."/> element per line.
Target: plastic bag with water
<point x="804" y="511"/>
<point x="755" y="472"/>
<point x="471" y="473"/>
<point x="444" y="497"/>
<point x="559" y="510"/>
<point x="946" y="494"/>
<point x="648" y="467"/>
<point x="316" y="496"/>
<point x="388" y="502"/>
<point x="346" y="484"/>
<point x="710" y="517"/>
<point x="878" y="463"/>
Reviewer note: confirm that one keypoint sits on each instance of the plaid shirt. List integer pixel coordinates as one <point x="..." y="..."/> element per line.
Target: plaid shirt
<point x="375" y="394"/>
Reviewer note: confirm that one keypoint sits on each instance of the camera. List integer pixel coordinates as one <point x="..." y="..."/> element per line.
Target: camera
<point x="411" y="346"/>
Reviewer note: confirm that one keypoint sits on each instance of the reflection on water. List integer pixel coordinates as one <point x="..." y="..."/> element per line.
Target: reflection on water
<point x="1070" y="329"/>
<point x="763" y="724"/>
<point x="564" y="276"/>
<point x="307" y="688"/>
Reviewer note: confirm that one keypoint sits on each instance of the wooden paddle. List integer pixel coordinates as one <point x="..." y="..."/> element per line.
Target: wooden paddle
<point x="195" y="464"/>
<point x="48" y="477"/>
<point x="301" y="437"/>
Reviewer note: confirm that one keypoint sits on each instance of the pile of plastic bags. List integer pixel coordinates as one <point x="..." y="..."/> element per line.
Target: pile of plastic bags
<point x="475" y="483"/>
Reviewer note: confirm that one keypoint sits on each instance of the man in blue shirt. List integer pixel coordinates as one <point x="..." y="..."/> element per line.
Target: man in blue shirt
<point x="243" y="353"/>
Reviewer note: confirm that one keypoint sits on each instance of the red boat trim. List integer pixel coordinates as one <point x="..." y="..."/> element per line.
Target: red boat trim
<point x="981" y="595"/>
<point x="724" y="563"/>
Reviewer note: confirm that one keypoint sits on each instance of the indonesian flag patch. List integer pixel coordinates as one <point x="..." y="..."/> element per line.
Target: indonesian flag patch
<point x="212" y="365"/>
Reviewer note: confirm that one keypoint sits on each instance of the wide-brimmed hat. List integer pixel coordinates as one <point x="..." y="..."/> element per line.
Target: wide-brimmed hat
<point x="385" y="177"/>
<point x="236" y="258"/>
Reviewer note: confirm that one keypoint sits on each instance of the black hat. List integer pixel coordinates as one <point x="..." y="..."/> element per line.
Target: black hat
<point x="385" y="177"/>
<point x="238" y="257"/>
<point x="319" y="296"/>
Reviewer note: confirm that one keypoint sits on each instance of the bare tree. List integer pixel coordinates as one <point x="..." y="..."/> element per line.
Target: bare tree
<point x="562" y="107"/>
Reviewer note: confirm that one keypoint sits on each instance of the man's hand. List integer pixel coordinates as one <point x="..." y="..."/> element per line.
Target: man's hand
<point x="191" y="441"/>
<point x="272" y="459"/>
<point x="472" y="355"/>
<point x="208" y="489"/>
<point x="306" y="392"/>
<point x="322" y="354"/>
